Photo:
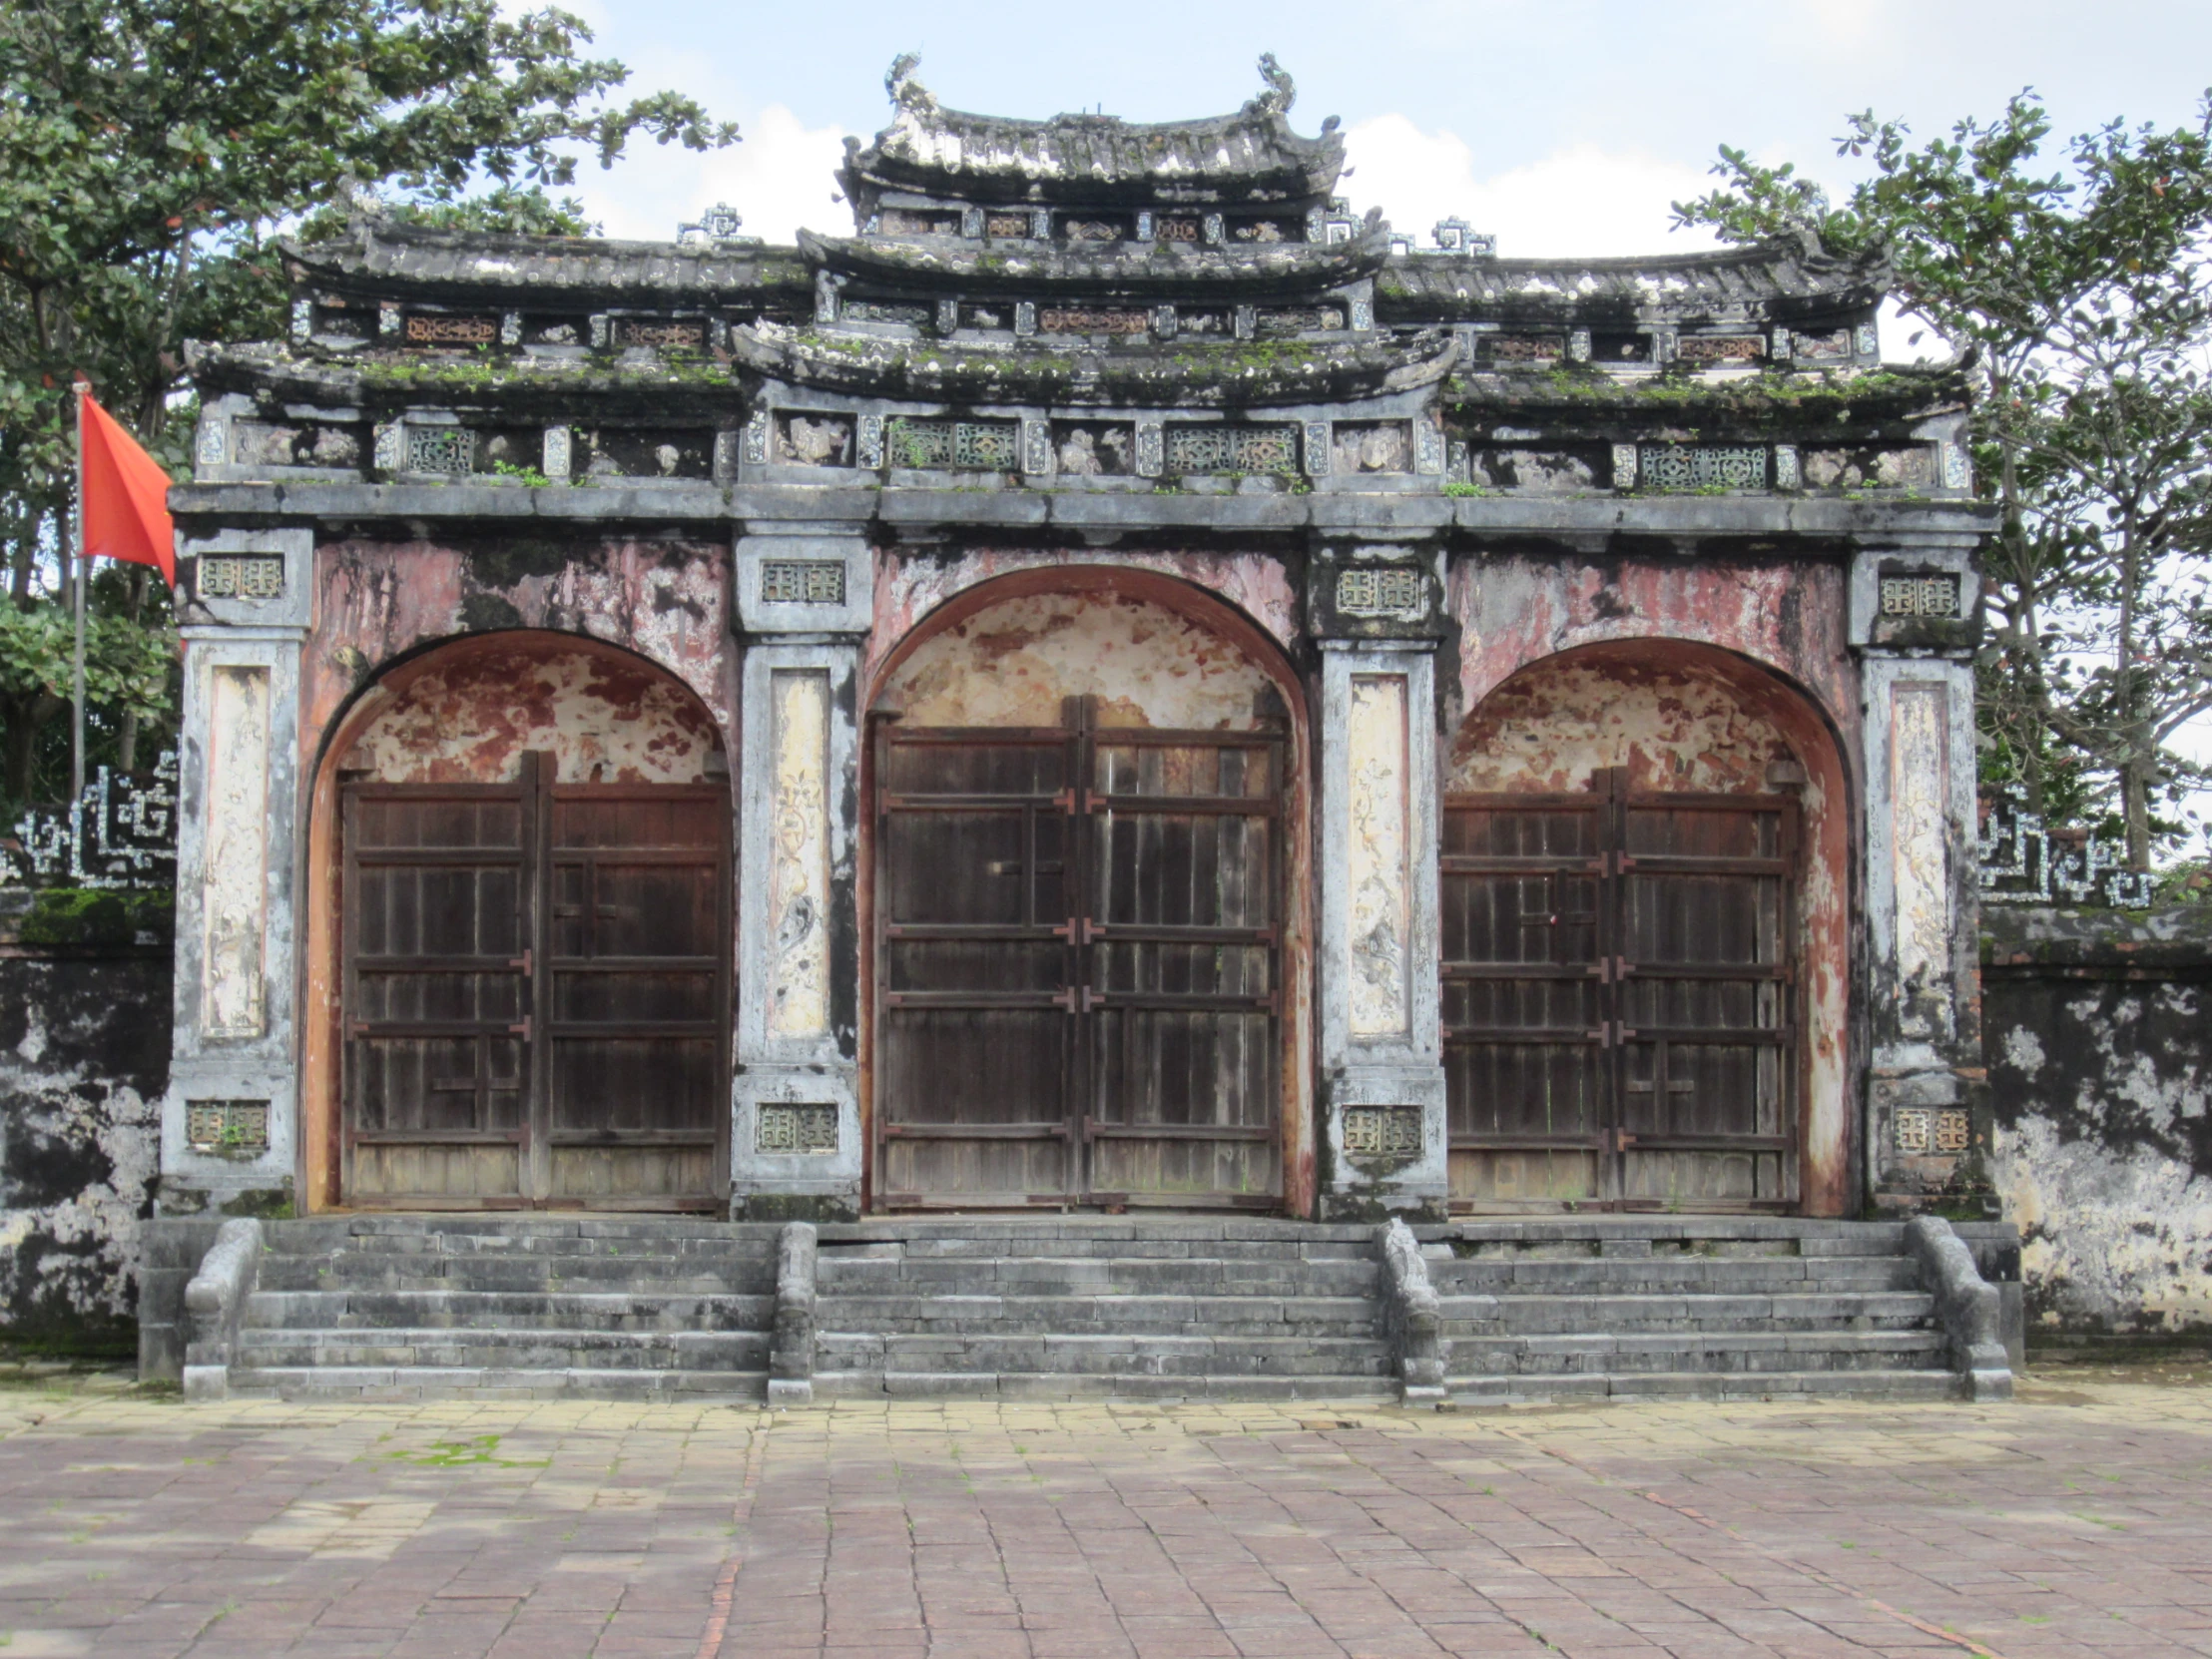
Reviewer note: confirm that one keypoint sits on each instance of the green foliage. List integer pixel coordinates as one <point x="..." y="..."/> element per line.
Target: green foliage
<point x="2077" y="290"/>
<point x="150" y="152"/>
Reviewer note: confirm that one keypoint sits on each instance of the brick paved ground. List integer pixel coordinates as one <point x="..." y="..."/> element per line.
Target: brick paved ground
<point x="2076" y="1523"/>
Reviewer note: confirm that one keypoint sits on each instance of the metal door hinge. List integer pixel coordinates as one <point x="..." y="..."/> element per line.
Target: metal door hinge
<point x="1076" y="1000"/>
<point x="522" y="961"/>
<point x="1077" y="930"/>
<point x="522" y="1030"/>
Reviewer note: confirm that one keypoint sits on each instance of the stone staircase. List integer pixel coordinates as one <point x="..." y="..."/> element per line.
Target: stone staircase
<point x="1168" y="1309"/>
<point x="1712" y="1308"/>
<point x="424" y="1306"/>
<point x="1154" y="1308"/>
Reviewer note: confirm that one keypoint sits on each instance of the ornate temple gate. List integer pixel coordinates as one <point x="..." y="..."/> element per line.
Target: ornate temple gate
<point x="1620" y="998"/>
<point x="536" y="986"/>
<point x="1078" y="966"/>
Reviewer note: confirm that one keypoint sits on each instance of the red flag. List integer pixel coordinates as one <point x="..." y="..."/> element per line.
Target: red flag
<point x="125" y="496"/>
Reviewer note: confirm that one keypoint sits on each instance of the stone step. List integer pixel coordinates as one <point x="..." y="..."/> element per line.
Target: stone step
<point x="1102" y="1276"/>
<point x="1049" y="1248"/>
<point x="540" y="1349"/>
<point x="954" y="1311"/>
<point x="910" y="1384"/>
<point x="1712" y="1275"/>
<point x="1605" y="1351"/>
<point x="575" y="1225"/>
<point x="558" y="1246"/>
<point x="413" y="1383"/>
<point x="1077" y="1355"/>
<point x="1662" y="1231"/>
<point x="652" y="1275"/>
<point x="1777" y="1384"/>
<point x="1477" y="1316"/>
<point x="513" y="1309"/>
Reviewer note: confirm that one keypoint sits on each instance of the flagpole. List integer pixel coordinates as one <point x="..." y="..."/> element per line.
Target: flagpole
<point x="77" y="589"/>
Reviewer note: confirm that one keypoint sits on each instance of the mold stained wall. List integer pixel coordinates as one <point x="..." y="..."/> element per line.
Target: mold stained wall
<point x="1688" y="719"/>
<point x="469" y="712"/>
<point x="2098" y="1031"/>
<point x="83" y="1061"/>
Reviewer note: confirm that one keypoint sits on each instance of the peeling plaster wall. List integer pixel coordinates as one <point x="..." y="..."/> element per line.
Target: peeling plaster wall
<point x="2098" y="1032"/>
<point x="470" y="714"/>
<point x="910" y="586"/>
<point x="1789" y="614"/>
<point x="665" y="600"/>
<point x="1014" y="663"/>
<point x="84" y="1061"/>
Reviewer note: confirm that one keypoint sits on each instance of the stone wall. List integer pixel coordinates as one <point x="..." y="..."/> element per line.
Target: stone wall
<point x="2100" y="1070"/>
<point x="83" y="1061"/>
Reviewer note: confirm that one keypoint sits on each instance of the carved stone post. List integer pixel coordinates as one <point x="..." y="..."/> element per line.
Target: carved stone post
<point x="803" y="599"/>
<point x="230" y="1122"/>
<point x="1912" y="621"/>
<point x="1382" y="1133"/>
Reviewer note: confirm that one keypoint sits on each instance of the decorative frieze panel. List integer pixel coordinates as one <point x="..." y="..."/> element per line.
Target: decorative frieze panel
<point x="1369" y="446"/>
<point x="1380" y="590"/>
<point x="1521" y="348"/>
<point x="814" y="439"/>
<point x="1920" y="596"/>
<point x="886" y="310"/>
<point x="803" y="581"/>
<point x="871" y="441"/>
<point x="799" y="852"/>
<point x="558" y="452"/>
<point x="438" y="328"/>
<point x="1668" y="466"/>
<point x="1383" y="1131"/>
<point x="1429" y="445"/>
<point x="959" y="445"/>
<point x="450" y="451"/>
<point x="1151" y="448"/>
<point x="1181" y="228"/>
<point x="1940" y="1131"/>
<point x="1786" y="472"/>
<point x="1320" y="448"/>
<point x="1624" y="466"/>
<point x="121" y="833"/>
<point x="2022" y="863"/>
<point x="1828" y="347"/>
<point x="1067" y="320"/>
<point x="1092" y="450"/>
<point x="1704" y="350"/>
<point x="678" y="336"/>
<point x="238" y="576"/>
<point x="226" y="1128"/>
<point x="756" y="437"/>
<point x="787" y="1128"/>
<point x="1216" y="450"/>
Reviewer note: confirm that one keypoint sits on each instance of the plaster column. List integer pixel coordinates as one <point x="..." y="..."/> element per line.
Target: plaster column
<point x="1913" y="626"/>
<point x="1383" y="1128"/>
<point x="230" y="1119"/>
<point x="805" y="595"/>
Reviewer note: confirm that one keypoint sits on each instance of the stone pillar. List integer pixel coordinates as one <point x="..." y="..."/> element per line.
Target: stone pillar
<point x="230" y="1119"/>
<point x="805" y="600"/>
<point x="1382" y="1131"/>
<point x="1912" y="621"/>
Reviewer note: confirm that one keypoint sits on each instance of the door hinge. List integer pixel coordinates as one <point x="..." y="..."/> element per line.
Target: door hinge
<point x="522" y="1030"/>
<point x="1073" y="800"/>
<point x="1622" y="1140"/>
<point x="1612" y="969"/>
<point x="1076" y="1000"/>
<point x="1077" y="930"/>
<point x="522" y="961"/>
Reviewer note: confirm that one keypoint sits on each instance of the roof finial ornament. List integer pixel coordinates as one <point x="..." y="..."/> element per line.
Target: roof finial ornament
<point x="1282" y="91"/>
<point x="907" y="92"/>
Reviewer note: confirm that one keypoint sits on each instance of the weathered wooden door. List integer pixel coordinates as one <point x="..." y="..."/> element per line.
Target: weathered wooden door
<point x="1077" y="966"/>
<point x="1619" y="999"/>
<point x="536" y="994"/>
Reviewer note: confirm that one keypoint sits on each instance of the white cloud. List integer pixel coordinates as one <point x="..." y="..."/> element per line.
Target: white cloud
<point x="1582" y="201"/>
<point x="781" y="177"/>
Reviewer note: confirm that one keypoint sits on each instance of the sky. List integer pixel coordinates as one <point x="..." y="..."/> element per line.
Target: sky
<point x="1564" y="126"/>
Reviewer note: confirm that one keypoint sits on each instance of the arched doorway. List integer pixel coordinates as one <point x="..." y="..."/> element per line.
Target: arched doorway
<point x="1645" y="944"/>
<point x="532" y="848"/>
<point x="1087" y="902"/>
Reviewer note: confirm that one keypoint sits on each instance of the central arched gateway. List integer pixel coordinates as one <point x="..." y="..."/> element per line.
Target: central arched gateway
<point x="1087" y="818"/>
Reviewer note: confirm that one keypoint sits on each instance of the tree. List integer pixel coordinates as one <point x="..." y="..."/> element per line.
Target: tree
<point x="2079" y="298"/>
<point x="150" y="150"/>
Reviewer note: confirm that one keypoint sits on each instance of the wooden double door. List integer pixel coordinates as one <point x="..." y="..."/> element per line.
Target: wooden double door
<point x="1078" y="966"/>
<point x="1620" y="999"/>
<point x="536" y="994"/>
